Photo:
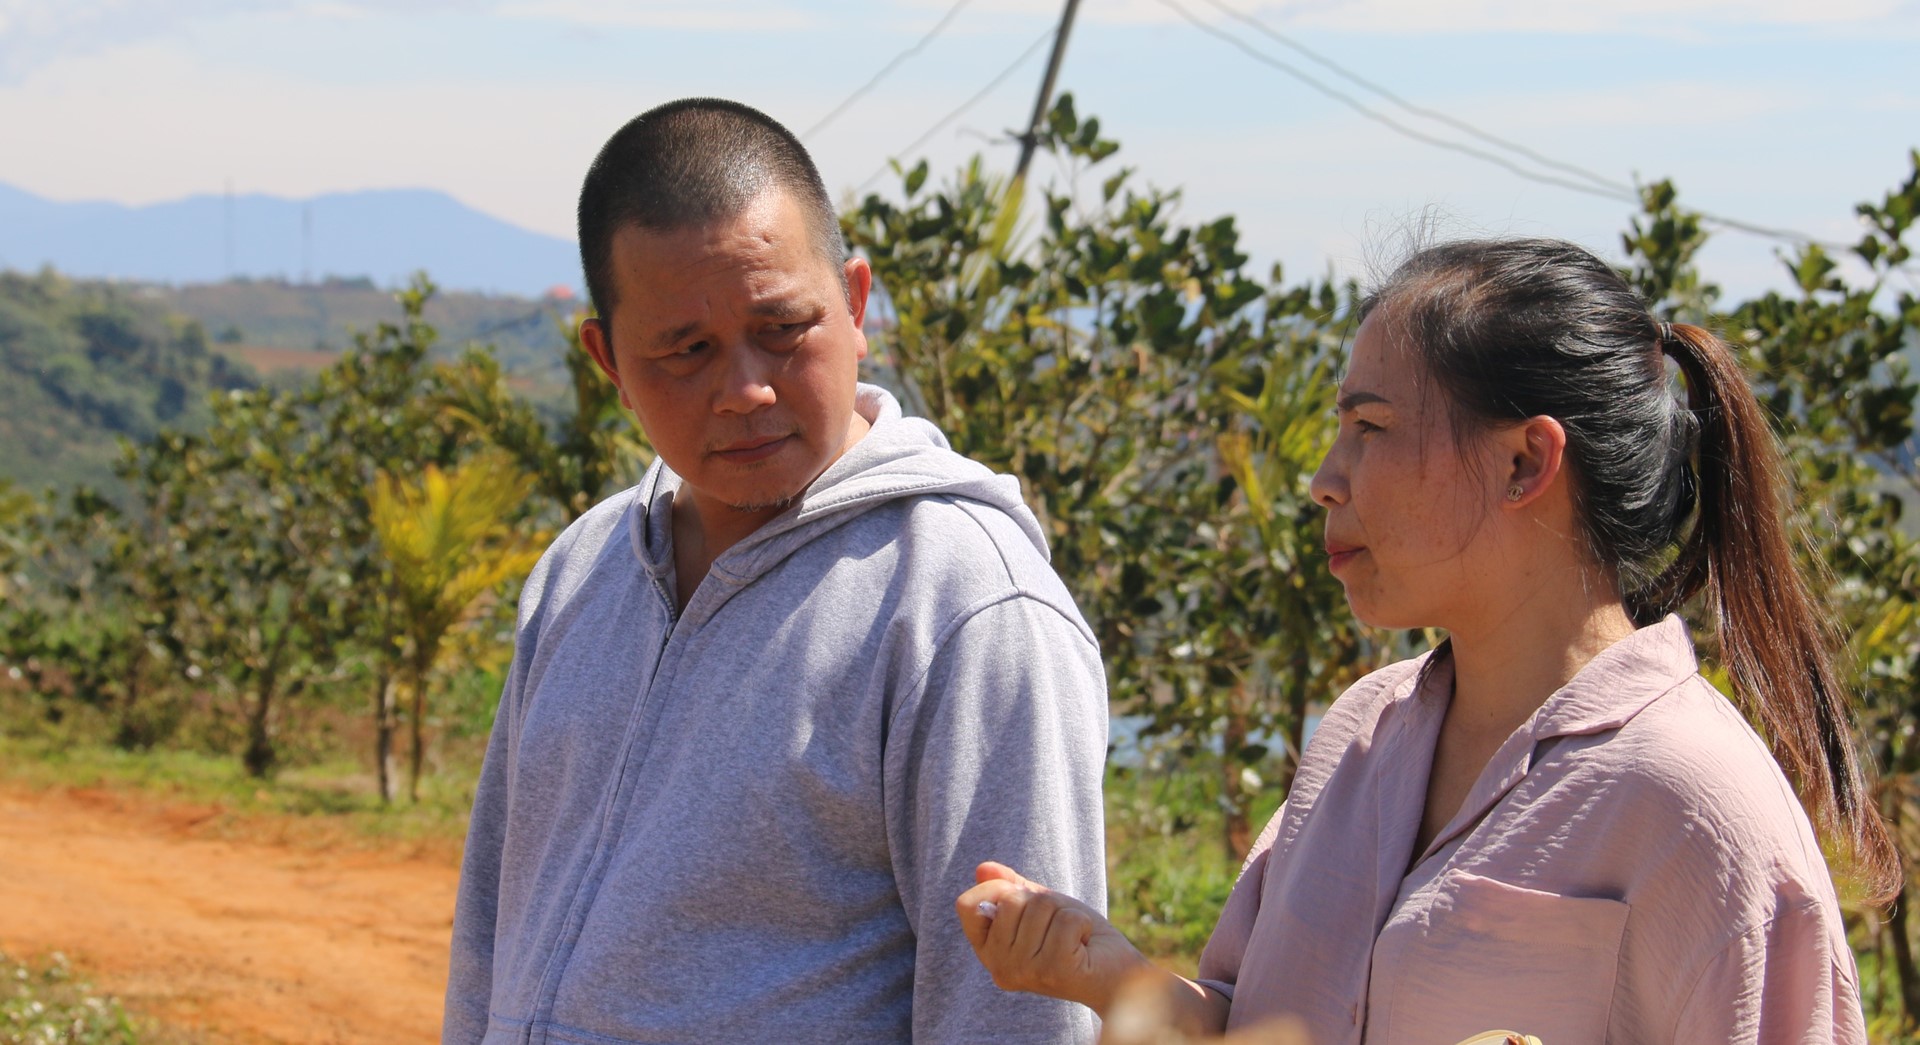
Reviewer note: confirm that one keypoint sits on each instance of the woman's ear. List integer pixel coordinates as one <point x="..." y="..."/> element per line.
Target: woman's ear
<point x="1536" y="450"/>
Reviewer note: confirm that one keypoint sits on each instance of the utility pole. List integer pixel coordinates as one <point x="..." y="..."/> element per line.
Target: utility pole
<point x="1031" y="138"/>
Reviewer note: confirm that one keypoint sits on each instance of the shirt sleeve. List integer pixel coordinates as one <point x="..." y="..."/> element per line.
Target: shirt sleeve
<point x="998" y="755"/>
<point x="1227" y="947"/>
<point x="1781" y="982"/>
<point x="470" y="965"/>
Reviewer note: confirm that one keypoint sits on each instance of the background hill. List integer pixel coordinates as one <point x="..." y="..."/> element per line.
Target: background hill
<point x="276" y="325"/>
<point x="385" y="235"/>
<point x="84" y="363"/>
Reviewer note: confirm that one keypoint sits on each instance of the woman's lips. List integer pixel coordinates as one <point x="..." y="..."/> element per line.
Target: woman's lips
<point x="1339" y="555"/>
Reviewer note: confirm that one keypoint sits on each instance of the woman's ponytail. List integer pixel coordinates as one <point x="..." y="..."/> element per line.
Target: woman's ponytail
<point x="1676" y="500"/>
<point x="1773" y="643"/>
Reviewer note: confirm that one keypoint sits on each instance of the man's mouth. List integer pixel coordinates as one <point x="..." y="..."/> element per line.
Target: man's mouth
<point x="752" y="448"/>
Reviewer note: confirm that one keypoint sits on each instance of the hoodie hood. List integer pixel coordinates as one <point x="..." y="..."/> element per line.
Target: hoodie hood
<point x="899" y="457"/>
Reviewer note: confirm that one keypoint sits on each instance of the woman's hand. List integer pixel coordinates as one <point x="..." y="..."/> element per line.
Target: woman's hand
<point x="1033" y="939"/>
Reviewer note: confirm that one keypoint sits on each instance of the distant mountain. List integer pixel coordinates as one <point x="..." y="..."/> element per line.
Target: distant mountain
<point x="383" y="234"/>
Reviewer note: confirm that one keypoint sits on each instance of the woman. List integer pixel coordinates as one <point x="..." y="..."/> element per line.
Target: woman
<point x="1551" y="822"/>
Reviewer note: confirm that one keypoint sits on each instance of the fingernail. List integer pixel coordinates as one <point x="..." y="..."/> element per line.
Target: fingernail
<point x="988" y="909"/>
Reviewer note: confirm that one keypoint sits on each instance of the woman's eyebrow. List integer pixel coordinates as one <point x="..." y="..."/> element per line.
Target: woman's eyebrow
<point x="1349" y="400"/>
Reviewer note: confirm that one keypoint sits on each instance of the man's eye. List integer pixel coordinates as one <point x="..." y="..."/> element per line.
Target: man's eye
<point x="783" y="333"/>
<point x="692" y="348"/>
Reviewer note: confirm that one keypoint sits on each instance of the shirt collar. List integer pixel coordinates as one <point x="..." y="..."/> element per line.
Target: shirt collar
<point x="1605" y="694"/>
<point x="1620" y="682"/>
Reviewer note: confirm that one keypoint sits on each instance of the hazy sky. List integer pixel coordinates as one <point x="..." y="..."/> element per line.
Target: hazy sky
<point x="1779" y="112"/>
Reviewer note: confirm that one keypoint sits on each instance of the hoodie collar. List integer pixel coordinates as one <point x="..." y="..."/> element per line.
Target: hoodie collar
<point x="899" y="457"/>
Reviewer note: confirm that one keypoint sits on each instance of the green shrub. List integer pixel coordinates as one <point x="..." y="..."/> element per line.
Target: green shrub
<point x="46" y="1005"/>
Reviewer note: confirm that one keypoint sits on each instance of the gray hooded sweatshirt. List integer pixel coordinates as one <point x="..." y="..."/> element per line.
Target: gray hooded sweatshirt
<point x="748" y="822"/>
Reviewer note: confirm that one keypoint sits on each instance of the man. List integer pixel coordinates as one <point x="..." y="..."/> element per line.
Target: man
<point x="768" y="709"/>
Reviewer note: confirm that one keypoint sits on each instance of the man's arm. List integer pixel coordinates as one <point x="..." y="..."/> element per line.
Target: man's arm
<point x="470" y="970"/>
<point x="998" y="754"/>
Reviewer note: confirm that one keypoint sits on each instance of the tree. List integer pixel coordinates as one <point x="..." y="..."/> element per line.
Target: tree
<point x="449" y="541"/>
<point x="1108" y="363"/>
<point x="265" y="520"/>
<point x="586" y="449"/>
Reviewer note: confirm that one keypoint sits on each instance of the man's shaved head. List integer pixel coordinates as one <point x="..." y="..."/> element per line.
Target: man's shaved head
<point x="692" y="163"/>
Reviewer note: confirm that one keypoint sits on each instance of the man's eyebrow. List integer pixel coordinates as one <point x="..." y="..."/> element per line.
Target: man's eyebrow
<point x="782" y="308"/>
<point x="1349" y="400"/>
<point x="778" y="308"/>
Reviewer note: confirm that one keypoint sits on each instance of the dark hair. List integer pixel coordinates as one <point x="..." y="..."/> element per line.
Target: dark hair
<point x="1674" y="497"/>
<point x="689" y="163"/>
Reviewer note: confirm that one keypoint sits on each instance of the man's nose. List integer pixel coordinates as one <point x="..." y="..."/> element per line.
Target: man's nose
<point x="745" y="380"/>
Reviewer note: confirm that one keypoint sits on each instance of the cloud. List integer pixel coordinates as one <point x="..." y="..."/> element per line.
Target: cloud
<point x="38" y="33"/>
<point x="666" y="14"/>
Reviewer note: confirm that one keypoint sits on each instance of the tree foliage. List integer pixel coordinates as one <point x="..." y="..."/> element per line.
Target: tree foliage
<point x="1137" y="379"/>
<point x="449" y="542"/>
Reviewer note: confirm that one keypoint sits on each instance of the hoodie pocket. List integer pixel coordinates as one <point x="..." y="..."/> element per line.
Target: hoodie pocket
<point x="1483" y="954"/>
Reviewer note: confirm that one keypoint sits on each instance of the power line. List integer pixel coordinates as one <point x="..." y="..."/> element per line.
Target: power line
<point x="1599" y="185"/>
<point x="1418" y="110"/>
<point x="1389" y="122"/>
<point x="998" y="79"/>
<point x="938" y="27"/>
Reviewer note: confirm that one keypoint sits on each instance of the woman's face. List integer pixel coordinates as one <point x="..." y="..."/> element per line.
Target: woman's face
<point x="1408" y="506"/>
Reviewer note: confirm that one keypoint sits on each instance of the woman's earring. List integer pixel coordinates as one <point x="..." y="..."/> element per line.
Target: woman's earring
<point x="1514" y="492"/>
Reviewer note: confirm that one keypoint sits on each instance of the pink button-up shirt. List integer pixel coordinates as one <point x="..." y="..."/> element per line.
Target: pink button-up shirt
<point x="1631" y="867"/>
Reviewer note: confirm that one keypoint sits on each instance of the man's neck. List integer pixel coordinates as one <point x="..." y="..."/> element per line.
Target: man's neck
<point x="703" y="529"/>
<point x="704" y="532"/>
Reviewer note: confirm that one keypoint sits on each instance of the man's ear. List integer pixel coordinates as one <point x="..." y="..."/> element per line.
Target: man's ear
<point x="859" y="285"/>
<point x="1536" y="451"/>
<point x="599" y="344"/>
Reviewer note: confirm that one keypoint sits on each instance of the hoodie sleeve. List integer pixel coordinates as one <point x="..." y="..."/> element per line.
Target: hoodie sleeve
<point x="470" y="965"/>
<point x="470" y="968"/>
<point x="997" y="755"/>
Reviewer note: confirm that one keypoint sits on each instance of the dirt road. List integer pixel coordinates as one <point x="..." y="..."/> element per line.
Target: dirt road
<point x="232" y="941"/>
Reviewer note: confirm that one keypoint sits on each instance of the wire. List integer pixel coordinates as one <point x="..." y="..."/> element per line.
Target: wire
<point x="1418" y="110"/>
<point x="1600" y="186"/>
<point x="1389" y="122"/>
<point x="998" y="79"/>
<point x="938" y="27"/>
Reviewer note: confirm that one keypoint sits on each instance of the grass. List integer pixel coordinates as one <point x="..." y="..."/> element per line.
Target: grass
<point x="1168" y="869"/>
<point x="45" y="1004"/>
<point x="325" y="804"/>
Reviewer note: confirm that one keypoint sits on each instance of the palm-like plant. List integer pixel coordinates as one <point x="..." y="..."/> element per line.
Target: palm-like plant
<point x="449" y="543"/>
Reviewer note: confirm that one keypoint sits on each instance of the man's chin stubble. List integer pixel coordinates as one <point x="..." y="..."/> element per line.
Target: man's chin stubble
<point x="777" y="504"/>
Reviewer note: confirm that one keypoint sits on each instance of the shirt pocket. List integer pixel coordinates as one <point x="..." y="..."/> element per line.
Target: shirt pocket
<point x="1481" y="954"/>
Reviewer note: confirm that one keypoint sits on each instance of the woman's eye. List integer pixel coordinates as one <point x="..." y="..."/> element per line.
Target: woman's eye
<point x="1365" y="427"/>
